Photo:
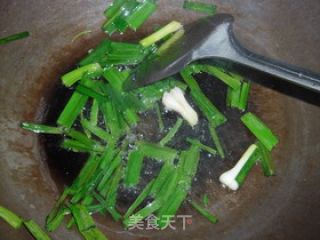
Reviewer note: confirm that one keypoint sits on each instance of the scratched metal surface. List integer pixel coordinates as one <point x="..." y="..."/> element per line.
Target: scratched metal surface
<point x="284" y="207"/>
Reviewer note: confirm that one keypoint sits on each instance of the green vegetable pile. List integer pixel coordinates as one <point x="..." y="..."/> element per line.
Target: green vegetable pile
<point x="99" y="117"/>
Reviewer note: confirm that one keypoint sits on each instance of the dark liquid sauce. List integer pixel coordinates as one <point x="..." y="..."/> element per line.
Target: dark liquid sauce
<point x="65" y="165"/>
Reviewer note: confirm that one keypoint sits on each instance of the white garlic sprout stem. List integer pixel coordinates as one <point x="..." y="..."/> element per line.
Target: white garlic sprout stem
<point x="174" y="100"/>
<point x="228" y="178"/>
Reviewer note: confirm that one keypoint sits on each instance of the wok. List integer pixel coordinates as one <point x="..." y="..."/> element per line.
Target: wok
<point x="283" y="207"/>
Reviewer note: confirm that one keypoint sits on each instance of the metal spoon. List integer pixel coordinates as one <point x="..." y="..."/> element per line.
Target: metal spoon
<point x="213" y="37"/>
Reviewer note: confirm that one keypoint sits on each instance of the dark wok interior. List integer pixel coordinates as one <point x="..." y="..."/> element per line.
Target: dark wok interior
<point x="283" y="207"/>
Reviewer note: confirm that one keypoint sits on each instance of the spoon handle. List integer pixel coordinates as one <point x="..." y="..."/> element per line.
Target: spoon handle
<point x="281" y="70"/>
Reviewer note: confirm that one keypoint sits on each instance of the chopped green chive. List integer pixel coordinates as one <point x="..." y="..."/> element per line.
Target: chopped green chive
<point x="232" y="81"/>
<point x="12" y="219"/>
<point x="97" y="55"/>
<point x="94" y="113"/>
<point x="213" y="219"/>
<point x="72" y="110"/>
<point x="115" y="163"/>
<point x="141" y="13"/>
<point x="167" y="44"/>
<point x="208" y="109"/>
<point x="143" y="195"/>
<point x="117" y="17"/>
<point x="72" y="77"/>
<point x="82" y="217"/>
<point x="202" y="146"/>
<point x="134" y="167"/>
<point x="244" y="96"/>
<point x="77" y="146"/>
<point x="57" y="220"/>
<point x="266" y="160"/>
<point x="160" y="120"/>
<point x="206" y="8"/>
<point x="115" y="77"/>
<point x="93" y="234"/>
<point x="244" y="172"/>
<point x="260" y="130"/>
<point x="172" y="132"/>
<point x="95" y="130"/>
<point x="165" y="172"/>
<point x="216" y="140"/>
<point x="14" y="37"/>
<point x="238" y="98"/>
<point x="80" y="137"/>
<point x="39" y="128"/>
<point x="125" y="53"/>
<point x="36" y="230"/>
<point x="160" y="34"/>
<point x="205" y="200"/>
<point x="158" y="152"/>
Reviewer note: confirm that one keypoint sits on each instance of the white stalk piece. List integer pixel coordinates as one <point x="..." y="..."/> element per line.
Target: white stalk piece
<point x="174" y="100"/>
<point x="228" y="179"/>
